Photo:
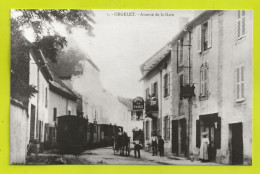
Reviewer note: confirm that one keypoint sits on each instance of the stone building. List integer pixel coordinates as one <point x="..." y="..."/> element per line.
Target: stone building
<point x="157" y="73"/>
<point x="219" y="54"/>
<point x="222" y="70"/>
<point x="210" y="88"/>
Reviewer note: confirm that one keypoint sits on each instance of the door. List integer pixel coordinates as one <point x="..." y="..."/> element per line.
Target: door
<point x="175" y="137"/>
<point x="183" y="134"/>
<point x="237" y="143"/>
<point x="209" y="127"/>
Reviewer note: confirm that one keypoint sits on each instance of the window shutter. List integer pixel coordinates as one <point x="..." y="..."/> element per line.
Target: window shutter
<point x="243" y="23"/>
<point x="217" y="137"/>
<point x="198" y="133"/>
<point x="242" y="82"/>
<point x="199" y="38"/>
<point x="175" y="137"/>
<point x="209" y="32"/>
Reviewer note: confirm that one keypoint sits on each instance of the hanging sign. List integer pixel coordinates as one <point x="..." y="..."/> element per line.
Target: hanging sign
<point x="138" y="103"/>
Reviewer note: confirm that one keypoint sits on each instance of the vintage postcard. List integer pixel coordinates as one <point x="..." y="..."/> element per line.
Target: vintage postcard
<point x="131" y="87"/>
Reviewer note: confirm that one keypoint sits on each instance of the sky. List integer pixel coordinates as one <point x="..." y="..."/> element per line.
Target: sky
<point x="122" y="43"/>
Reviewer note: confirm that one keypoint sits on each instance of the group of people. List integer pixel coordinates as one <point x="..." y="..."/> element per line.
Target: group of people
<point x="157" y="145"/>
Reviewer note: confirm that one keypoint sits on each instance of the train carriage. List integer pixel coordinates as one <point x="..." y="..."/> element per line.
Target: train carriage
<point x="71" y="133"/>
<point x="75" y="134"/>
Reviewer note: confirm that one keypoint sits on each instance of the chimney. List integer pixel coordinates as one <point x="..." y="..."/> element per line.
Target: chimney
<point x="182" y="22"/>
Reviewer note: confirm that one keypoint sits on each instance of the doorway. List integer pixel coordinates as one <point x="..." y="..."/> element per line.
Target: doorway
<point x="183" y="134"/>
<point x="209" y="127"/>
<point x="236" y="143"/>
<point x="175" y="137"/>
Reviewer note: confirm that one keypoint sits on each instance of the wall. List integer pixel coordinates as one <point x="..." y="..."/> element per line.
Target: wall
<point x="226" y="54"/>
<point x="209" y="104"/>
<point x="37" y="79"/>
<point x="19" y="133"/>
<point x="236" y="52"/>
<point x="62" y="104"/>
<point x="164" y="103"/>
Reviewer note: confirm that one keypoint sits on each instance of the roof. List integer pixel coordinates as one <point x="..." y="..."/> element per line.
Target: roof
<point x="127" y="102"/>
<point x="56" y="85"/>
<point x="197" y="20"/>
<point x="153" y="61"/>
<point x="41" y="63"/>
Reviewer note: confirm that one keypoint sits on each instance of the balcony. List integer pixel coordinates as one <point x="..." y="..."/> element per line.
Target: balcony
<point x="187" y="91"/>
<point x="151" y="107"/>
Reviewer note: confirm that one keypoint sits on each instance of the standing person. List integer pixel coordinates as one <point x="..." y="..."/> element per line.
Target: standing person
<point x="204" y="156"/>
<point x="161" y="146"/>
<point x="154" y="144"/>
<point x="137" y="148"/>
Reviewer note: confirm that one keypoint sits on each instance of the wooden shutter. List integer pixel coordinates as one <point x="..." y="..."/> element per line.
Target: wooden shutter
<point x="242" y="87"/>
<point x="243" y="22"/>
<point x="209" y="33"/>
<point x="175" y="137"/>
<point x="198" y="32"/>
<point x="198" y="133"/>
<point x="217" y="138"/>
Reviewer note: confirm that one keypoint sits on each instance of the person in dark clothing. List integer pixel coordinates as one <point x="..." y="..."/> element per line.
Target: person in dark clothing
<point x="161" y="146"/>
<point x="137" y="148"/>
<point x="154" y="144"/>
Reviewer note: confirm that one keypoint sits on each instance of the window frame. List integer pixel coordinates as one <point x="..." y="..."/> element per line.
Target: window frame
<point x="204" y="89"/>
<point x="239" y="24"/>
<point x="200" y="36"/>
<point x="166" y="86"/>
<point x="239" y="82"/>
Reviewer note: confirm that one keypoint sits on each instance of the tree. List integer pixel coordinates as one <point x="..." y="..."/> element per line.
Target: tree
<point x="46" y="38"/>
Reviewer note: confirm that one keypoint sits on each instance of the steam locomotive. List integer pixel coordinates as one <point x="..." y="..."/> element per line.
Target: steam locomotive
<point x="75" y="134"/>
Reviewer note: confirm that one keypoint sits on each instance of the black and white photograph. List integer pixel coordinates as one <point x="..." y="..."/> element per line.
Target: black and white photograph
<point x="131" y="87"/>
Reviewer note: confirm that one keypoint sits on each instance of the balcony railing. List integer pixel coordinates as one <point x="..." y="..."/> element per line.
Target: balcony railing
<point x="187" y="91"/>
<point x="151" y="105"/>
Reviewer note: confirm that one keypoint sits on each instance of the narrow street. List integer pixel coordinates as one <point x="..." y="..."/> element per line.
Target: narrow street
<point x="105" y="156"/>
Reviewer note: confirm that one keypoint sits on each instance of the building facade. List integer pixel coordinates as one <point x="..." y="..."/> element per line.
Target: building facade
<point x="222" y="70"/>
<point x="210" y="88"/>
<point x="157" y="73"/>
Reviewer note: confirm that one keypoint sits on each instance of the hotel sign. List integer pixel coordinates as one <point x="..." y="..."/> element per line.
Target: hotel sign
<point x="138" y="103"/>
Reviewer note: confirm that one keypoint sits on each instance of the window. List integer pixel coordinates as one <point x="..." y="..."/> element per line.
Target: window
<point x="240" y="83"/>
<point x="46" y="97"/>
<point x="166" y="86"/>
<point x="154" y="90"/>
<point x="180" y="52"/>
<point x="181" y="79"/>
<point x="54" y="114"/>
<point x="181" y="108"/>
<point x="204" y="36"/>
<point x="204" y="81"/>
<point x="166" y="128"/>
<point x="241" y="22"/>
